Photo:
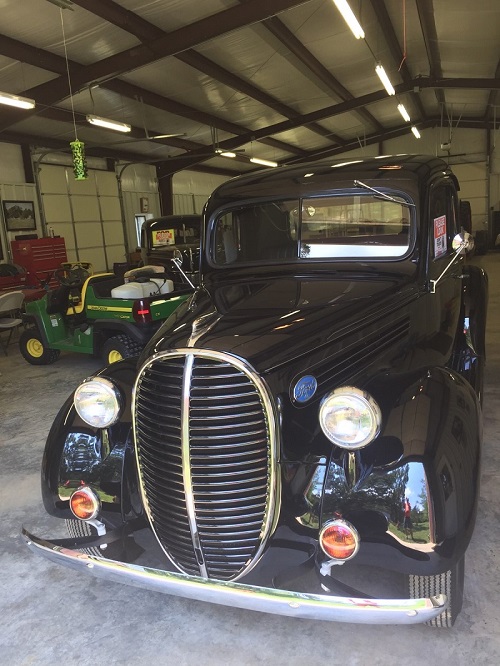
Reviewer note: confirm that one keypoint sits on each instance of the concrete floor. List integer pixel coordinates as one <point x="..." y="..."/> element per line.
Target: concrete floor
<point x="49" y="614"/>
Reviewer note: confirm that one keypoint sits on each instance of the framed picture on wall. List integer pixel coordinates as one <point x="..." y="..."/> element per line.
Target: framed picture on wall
<point x="19" y="215"/>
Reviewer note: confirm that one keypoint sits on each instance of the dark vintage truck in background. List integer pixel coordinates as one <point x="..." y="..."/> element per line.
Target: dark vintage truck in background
<point x="173" y="237"/>
<point x="302" y="436"/>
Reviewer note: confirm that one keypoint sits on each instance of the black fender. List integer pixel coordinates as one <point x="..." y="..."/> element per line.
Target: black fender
<point x="469" y="352"/>
<point x="77" y="454"/>
<point x="475" y="300"/>
<point x="429" y="450"/>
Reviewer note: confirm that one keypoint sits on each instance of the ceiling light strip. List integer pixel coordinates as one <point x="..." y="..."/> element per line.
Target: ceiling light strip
<point x="108" y="124"/>
<point x="269" y="163"/>
<point x="349" y="18"/>
<point x="402" y="110"/>
<point x="17" y="101"/>
<point x="382" y="75"/>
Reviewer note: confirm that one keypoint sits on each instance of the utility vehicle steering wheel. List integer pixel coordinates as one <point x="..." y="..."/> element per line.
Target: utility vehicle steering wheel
<point x="73" y="278"/>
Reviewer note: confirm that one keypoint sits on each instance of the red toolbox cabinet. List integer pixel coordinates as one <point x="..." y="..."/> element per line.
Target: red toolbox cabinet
<point x="39" y="256"/>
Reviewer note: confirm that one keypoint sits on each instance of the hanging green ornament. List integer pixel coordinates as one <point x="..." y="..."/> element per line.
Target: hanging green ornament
<point x="79" y="163"/>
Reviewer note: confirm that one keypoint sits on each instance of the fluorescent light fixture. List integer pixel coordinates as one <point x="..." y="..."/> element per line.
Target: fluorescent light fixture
<point x="225" y="153"/>
<point x="404" y="112"/>
<point x="349" y="18"/>
<point x="63" y="4"/>
<point x="15" y="100"/>
<point x="269" y="163"/>
<point x="108" y="124"/>
<point x="415" y="132"/>
<point x="381" y="73"/>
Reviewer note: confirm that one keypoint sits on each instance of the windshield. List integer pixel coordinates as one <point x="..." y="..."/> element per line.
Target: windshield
<point x="172" y="232"/>
<point x="348" y="226"/>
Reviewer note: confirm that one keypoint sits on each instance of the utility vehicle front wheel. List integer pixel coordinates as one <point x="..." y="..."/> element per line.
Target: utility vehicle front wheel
<point x="119" y="347"/>
<point x="450" y="583"/>
<point x="34" y="350"/>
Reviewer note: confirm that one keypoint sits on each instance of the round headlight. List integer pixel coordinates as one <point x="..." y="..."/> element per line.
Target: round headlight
<point x="350" y="418"/>
<point x="98" y="402"/>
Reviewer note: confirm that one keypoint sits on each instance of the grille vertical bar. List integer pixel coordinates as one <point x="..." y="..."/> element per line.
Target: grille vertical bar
<point x="207" y="457"/>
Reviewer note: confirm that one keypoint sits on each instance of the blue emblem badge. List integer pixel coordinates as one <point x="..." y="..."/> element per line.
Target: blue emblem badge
<point x="305" y="388"/>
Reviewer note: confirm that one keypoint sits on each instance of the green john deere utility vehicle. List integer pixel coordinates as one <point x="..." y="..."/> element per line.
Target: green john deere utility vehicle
<point x="103" y="314"/>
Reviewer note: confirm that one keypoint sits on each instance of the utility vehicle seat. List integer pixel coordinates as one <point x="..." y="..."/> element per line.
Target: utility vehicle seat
<point x="58" y="300"/>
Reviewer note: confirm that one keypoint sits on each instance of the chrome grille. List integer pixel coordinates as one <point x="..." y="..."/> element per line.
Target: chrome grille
<point x="205" y="444"/>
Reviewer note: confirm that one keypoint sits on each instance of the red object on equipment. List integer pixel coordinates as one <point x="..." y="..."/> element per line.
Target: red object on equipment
<point x="39" y="257"/>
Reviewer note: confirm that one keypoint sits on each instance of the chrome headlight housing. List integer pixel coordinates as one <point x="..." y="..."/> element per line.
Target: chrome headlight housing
<point x="350" y="418"/>
<point x="98" y="402"/>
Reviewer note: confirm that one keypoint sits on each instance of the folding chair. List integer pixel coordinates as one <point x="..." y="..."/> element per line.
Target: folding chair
<point x="10" y="306"/>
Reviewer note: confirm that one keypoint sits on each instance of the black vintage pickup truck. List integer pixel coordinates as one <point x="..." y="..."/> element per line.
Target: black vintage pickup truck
<point x="302" y="436"/>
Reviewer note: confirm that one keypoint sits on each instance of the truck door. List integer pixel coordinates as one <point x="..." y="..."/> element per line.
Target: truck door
<point x="444" y="304"/>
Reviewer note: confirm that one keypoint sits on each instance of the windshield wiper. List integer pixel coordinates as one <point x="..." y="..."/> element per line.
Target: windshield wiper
<point x="382" y="195"/>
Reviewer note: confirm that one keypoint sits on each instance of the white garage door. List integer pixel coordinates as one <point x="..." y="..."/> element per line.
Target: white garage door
<point x="87" y="214"/>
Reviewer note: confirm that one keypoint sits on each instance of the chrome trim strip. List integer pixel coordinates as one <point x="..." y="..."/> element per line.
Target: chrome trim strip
<point x="264" y="599"/>
<point x="186" y="464"/>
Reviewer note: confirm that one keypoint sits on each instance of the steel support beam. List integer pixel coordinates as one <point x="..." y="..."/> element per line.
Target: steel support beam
<point x="169" y="44"/>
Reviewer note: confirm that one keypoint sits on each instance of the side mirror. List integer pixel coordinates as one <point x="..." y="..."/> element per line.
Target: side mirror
<point x="463" y="242"/>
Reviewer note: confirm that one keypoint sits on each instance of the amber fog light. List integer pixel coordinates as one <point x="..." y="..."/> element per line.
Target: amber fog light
<point x="339" y="540"/>
<point x="84" y="503"/>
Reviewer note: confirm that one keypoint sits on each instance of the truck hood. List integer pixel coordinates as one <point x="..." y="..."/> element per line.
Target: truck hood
<point x="270" y="322"/>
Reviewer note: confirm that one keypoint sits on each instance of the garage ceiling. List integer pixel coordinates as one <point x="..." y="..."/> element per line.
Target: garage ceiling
<point x="283" y="80"/>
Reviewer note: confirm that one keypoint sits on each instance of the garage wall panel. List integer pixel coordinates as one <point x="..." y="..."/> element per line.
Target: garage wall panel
<point x="53" y="179"/>
<point x="192" y="189"/>
<point x="138" y="181"/>
<point x="106" y="183"/>
<point x="57" y="208"/>
<point x="85" y="208"/>
<point x="11" y="164"/>
<point x="473" y="179"/>
<point x="81" y="187"/>
<point x="113" y="235"/>
<point x="110" y="208"/>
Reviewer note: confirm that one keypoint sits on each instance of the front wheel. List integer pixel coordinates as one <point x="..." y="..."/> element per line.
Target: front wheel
<point x="34" y="350"/>
<point x="119" y="347"/>
<point x="450" y="583"/>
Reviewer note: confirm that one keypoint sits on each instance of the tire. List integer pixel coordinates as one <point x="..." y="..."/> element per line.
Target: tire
<point x="79" y="528"/>
<point x="119" y="347"/>
<point x="34" y="350"/>
<point x="450" y="583"/>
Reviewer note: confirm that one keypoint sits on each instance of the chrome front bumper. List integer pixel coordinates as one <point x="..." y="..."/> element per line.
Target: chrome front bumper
<point x="265" y="599"/>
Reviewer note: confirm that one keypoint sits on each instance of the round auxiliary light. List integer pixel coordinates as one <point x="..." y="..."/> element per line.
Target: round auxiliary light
<point x="84" y="503"/>
<point x="339" y="540"/>
<point x="98" y="402"/>
<point x="350" y="418"/>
